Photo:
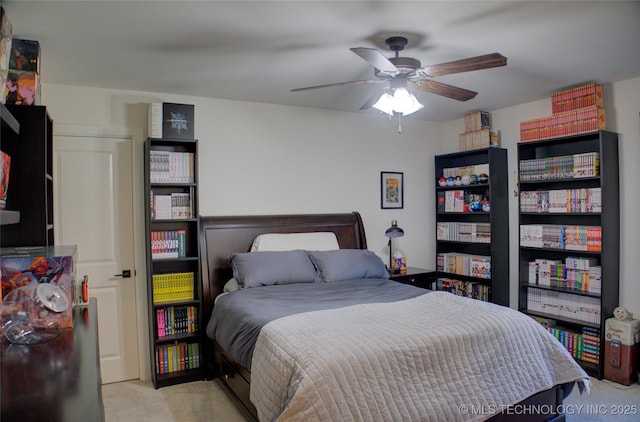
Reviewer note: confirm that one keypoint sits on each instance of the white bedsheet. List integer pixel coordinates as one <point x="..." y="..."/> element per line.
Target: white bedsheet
<point x="419" y="359"/>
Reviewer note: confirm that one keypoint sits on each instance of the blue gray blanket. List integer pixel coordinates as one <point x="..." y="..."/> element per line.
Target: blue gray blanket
<point x="239" y="316"/>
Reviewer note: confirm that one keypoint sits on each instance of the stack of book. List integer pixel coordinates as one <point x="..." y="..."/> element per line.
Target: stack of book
<point x="171" y="167"/>
<point x="177" y="357"/>
<point x="581" y="200"/>
<point x="478" y="266"/>
<point x="472" y="289"/>
<point x="564" y="305"/>
<point x="565" y="237"/>
<point x="464" y="232"/>
<point x="173" y="287"/>
<point x="576" y="273"/>
<point x="574" y="111"/>
<point x="477" y="132"/>
<point x="560" y="167"/>
<point x="172" y="320"/>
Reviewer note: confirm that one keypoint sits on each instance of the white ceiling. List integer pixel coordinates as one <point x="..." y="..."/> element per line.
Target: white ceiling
<point x="259" y="50"/>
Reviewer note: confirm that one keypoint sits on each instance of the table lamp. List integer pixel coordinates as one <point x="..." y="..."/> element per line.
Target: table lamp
<point x="393" y="231"/>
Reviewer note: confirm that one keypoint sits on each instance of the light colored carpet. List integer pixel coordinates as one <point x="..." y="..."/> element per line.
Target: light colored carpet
<point x="207" y="401"/>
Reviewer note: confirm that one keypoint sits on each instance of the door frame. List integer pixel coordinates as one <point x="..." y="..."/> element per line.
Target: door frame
<point x="135" y="135"/>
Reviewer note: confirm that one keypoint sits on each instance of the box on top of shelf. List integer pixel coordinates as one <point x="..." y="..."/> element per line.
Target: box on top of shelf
<point x="477" y="120"/>
<point x="177" y="121"/>
<point x="22" y="88"/>
<point x="25" y="55"/>
<point x="27" y="268"/>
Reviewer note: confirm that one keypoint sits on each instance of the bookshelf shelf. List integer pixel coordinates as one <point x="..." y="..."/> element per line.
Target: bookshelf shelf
<point x="174" y="280"/>
<point x="493" y="162"/>
<point x="597" y="270"/>
<point x="30" y="190"/>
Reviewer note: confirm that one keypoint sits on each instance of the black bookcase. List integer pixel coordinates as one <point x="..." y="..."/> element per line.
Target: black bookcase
<point x="494" y="190"/>
<point x="173" y="261"/>
<point x="593" y="203"/>
<point x="29" y="207"/>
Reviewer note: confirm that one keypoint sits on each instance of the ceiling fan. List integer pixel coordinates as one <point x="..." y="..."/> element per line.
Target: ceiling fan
<point x="400" y="70"/>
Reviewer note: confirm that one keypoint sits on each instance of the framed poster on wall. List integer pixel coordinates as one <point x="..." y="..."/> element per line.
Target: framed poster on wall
<point x="391" y="190"/>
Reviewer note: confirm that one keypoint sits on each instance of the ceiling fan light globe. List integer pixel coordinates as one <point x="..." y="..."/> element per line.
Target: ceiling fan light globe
<point x="405" y="102"/>
<point x="385" y="104"/>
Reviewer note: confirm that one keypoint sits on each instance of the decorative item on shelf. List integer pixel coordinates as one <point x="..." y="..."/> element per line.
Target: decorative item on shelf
<point x="451" y="181"/>
<point x="458" y="181"/>
<point x="442" y="181"/>
<point x="622" y="314"/>
<point x="391" y="232"/>
<point x="34" y="313"/>
<point x="483" y="178"/>
<point x="474" y="179"/>
<point x="486" y="206"/>
<point x="475" y="206"/>
<point x="178" y="121"/>
<point x="466" y="180"/>
<point x="399" y="263"/>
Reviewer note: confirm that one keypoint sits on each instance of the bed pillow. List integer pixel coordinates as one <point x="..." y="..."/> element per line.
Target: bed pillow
<point x="254" y="269"/>
<point x="316" y="241"/>
<point x="345" y="264"/>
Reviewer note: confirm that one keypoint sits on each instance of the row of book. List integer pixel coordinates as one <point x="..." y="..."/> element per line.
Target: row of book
<point x="568" y="123"/>
<point x="176" y="205"/>
<point x="561" y="167"/>
<point x="464" y="232"/>
<point x="564" y="305"/>
<point x="582" y="200"/>
<point x="583" y="345"/>
<point x="565" y="237"/>
<point x="171" y="167"/>
<point x="472" y="289"/>
<point x="172" y="320"/>
<point x="478" y="266"/>
<point x="173" y="287"/>
<point x="580" y="274"/>
<point x="466" y="170"/>
<point x="168" y="244"/>
<point x="177" y="357"/>
<point x="576" y="98"/>
<point x="476" y="139"/>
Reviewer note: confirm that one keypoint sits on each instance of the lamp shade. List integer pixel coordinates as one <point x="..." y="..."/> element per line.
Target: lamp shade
<point x="402" y="102"/>
<point x="394" y="230"/>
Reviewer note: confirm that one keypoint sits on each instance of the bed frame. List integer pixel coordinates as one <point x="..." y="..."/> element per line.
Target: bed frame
<point x="221" y="236"/>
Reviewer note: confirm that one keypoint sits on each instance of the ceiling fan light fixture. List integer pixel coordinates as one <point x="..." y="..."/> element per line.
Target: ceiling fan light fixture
<point x="402" y="101"/>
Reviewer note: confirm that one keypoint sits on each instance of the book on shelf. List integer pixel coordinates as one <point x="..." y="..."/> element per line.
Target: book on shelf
<point x="173" y="287"/>
<point x="579" y="97"/>
<point x="472" y="289"/>
<point x="176" y="205"/>
<point x="478" y="266"/>
<point x="560" y="167"/>
<point x="177" y="357"/>
<point x="172" y="320"/>
<point x="168" y="244"/>
<point x="564" y="305"/>
<point x="171" y="167"/>
<point x="565" y="237"/>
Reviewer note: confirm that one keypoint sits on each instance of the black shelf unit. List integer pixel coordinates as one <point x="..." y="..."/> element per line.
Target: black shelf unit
<point x="495" y="190"/>
<point x="30" y="192"/>
<point x="606" y="145"/>
<point x="187" y="262"/>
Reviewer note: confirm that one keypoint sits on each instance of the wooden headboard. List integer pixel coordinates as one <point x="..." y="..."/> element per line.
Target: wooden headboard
<point x="221" y="236"/>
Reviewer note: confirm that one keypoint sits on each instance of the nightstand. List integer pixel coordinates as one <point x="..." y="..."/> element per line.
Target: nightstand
<point x="419" y="277"/>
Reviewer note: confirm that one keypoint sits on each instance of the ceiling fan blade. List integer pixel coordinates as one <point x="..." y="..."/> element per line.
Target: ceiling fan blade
<point x="446" y="90"/>
<point x="372" y="100"/>
<point x="376" y="58"/>
<point x="338" y="84"/>
<point x="465" y="65"/>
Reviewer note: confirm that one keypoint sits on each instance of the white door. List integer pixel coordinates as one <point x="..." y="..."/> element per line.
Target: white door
<point x="93" y="209"/>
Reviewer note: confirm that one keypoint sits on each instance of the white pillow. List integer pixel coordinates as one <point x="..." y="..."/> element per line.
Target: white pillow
<point x="316" y="241"/>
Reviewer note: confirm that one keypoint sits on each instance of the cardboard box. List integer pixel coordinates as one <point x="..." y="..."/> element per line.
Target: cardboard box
<point x="22" y="88"/>
<point x="25" y="55"/>
<point x="177" y="121"/>
<point x="28" y="267"/>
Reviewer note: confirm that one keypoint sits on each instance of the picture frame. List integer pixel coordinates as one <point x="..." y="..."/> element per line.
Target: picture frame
<point x="391" y="190"/>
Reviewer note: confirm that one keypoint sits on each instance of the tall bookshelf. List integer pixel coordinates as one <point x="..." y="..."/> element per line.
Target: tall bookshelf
<point x="27" y="137"/>
<point x="463" y="235"/>
<point x="173" y="254"/>
<point x="569" y="222"/>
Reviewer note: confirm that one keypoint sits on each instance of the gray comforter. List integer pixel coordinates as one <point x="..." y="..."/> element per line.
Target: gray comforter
<point x="239" y="316"/>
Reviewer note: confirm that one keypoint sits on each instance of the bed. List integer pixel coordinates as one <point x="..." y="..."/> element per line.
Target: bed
<point x="405" y="353"/>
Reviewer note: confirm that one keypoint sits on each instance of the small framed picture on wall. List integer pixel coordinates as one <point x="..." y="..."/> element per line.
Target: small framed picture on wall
<point x="391" y="190"/>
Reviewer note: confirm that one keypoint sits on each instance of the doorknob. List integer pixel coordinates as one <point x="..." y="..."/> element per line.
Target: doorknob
<point x="124" y="274"/>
